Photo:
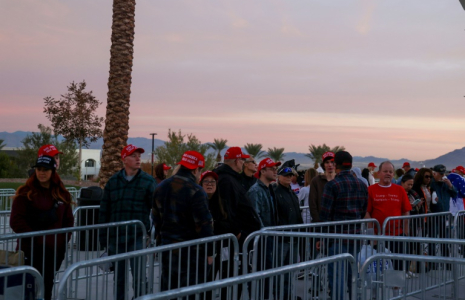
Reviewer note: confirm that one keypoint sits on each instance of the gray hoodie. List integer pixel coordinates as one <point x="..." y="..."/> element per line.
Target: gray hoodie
<point x="357" y="172"/>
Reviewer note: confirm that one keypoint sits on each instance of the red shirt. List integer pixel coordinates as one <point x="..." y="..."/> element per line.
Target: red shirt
<point x="384" y="202"/>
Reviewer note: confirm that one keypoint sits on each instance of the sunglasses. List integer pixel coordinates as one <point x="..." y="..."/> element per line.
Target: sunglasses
<point x="286" y="170"/>
<point x="251" y="161"/>
<point x="208" y="182"/>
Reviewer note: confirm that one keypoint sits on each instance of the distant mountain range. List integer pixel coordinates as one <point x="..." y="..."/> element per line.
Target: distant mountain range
<point x="450" y="160"/>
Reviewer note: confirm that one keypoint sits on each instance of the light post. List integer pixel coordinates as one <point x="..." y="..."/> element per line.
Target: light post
<point x="153" y="147"/>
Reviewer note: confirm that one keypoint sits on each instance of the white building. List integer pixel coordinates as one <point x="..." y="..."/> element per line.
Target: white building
<point x="90" y="163"/>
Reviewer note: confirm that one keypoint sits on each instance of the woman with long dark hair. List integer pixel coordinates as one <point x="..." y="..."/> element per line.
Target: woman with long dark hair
<point x="43" y="203"/>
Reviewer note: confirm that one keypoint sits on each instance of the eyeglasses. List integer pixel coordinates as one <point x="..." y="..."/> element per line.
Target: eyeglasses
<point x="251" y="161"/>
<point x="427" y="176"/>
<point x="274" y="169"/>
<point x="209" y="182"/>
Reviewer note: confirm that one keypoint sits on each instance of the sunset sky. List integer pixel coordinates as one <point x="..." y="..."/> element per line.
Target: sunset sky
<point x="382" y="78"/>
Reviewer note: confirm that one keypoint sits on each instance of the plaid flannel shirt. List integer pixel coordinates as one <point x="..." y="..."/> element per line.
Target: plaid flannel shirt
<point x="344" y="198"/>
<point x="125" y="201"/>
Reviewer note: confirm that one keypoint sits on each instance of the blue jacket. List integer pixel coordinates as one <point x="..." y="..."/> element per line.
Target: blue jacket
<point x="444" y="194"/>
<point x="264" y="202"/>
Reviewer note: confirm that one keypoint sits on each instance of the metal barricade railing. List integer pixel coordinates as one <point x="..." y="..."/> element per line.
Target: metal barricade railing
<point x="5" y="222"/>
<point x="74" y="195"/>
<point x="153" y="269"/>
<point x="459" y="225"/>
<point x="388" y="283"/>
<point x="6" y="198"/>
<point x="54" y="250"/>
<point x="27" y="279"/>
<point x="363" y="246"/>
<point x="86" y="215"/>
<point x="302" y="249"/>
<point x="261" y="290"/>
<point x="422" y="225"/>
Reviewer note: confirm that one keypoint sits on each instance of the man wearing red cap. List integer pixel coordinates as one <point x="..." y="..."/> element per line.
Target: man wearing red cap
<point x="180" y="211"/>
<point x="371" y="177"/>
<point x="127" y="196"/>
<point x="261" y="194"/>
<point x="318" y="184"/>
<point x="408" y="170"/>
<point x="242" y="219"/>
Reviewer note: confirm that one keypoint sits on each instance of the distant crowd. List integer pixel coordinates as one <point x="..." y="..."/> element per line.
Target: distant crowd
<point x="240" y="196"/>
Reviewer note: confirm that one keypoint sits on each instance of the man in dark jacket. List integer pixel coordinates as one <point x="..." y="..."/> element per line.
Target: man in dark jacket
<point x="127" y="196"/>
<point x="440" y="202"/>
<point x="180" y="210"/>
<point x="288" y="214"/>
<point x="241" y="216"/>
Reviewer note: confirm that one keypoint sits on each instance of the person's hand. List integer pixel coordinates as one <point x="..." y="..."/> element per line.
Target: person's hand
<point x="239" y="236"/>
<point x="210" y="260"/>
<point x="317" y="245"/>
<point x="447" y="181"/>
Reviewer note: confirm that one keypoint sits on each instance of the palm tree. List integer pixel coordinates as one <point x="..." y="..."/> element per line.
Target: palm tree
<point x="276" y="154"/>
<point x="317" y="151"/>
<point x="218" y="145"/>
<point x="2" y="144"/>
<point x="255" y="150"/>
<point x="115" y="134"/>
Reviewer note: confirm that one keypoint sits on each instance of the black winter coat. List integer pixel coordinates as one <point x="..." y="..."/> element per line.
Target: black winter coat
<point x="241" y="216"/>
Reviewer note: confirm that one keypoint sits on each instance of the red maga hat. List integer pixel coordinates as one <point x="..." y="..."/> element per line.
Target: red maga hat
<point x="372" y="164"/>
<point x="208" y="173"/>
<point x="192" y="160"/>
<point x="265" y="163"/>
<point x="165" y="167"/>
<point x="235" y="152"/>
<point x="406" y="164"/>
<point x="328" y="156"/>
<point x="48" y="150"/>
<point x="461" y="169"/>
<point x="130" y="149"/>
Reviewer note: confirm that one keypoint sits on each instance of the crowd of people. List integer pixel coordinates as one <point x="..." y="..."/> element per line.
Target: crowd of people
<point x="240" y="196"/>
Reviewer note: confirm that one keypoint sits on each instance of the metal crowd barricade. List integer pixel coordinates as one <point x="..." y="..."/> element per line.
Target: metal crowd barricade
<point x="83" y="215"/>
<point x="300" y="288"/>
<point x="302" y="249"/>
<point x="5" y="222"/>
<point x="6" y="198"/>
<point x="424" y="225"/>
<point x="388" y="283"/>
<point x="74" y="195"/>
<point x="365" y="246"/>
<point x="12" y="276"/>
<point x="152" y="269"/>
<point x="57" y="249"/>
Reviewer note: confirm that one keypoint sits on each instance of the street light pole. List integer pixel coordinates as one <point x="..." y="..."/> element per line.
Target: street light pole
<point x="153" y="147"/>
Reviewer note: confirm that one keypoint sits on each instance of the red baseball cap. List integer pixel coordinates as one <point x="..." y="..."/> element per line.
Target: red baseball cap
<point x="165" y="167"/>
<point x="328" y="156"/>
<point x="192" y="160"/>
<point x="372" y="164"/>
<point x="461" y="169"/>
<point x="406" y="164"/>
<point x="208" y="173"/>
<point x="235" y="152"/>
<point x="453" y="171"/>
<point x="130" y="149"/>
<point x="265" y="163"/>
<point x="48" y="150"/>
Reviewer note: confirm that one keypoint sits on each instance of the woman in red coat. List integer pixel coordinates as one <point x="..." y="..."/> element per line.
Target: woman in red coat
<point x="43" y="203"/>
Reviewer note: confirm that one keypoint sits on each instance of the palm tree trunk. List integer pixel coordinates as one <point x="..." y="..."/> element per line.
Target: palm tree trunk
<point x="115" y="134"/>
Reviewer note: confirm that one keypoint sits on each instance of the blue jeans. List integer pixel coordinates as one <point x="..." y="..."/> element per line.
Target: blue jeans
<point x="137" y="270"/>
<point x="337" y="286"/>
